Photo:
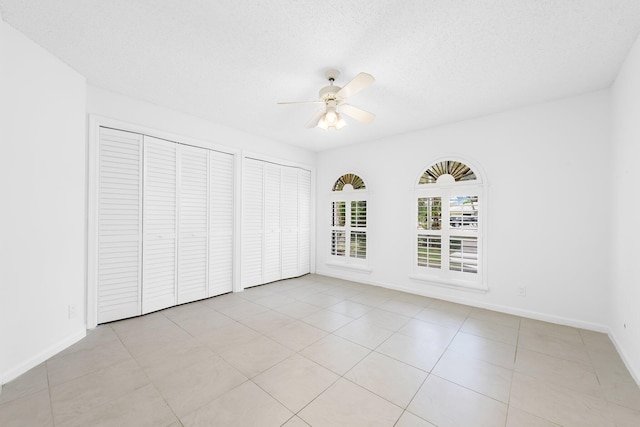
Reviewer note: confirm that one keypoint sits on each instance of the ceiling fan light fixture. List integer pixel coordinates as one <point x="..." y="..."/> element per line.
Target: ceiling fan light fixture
<point x="322" y="124"/>
<point x="332" y="97"/>
<point x="331" y="116"/>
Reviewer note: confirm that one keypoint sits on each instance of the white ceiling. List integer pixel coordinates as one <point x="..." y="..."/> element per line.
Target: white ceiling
<point x="435" y="61"/>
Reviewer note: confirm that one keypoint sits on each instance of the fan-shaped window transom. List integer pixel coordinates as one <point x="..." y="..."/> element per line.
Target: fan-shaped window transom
<point x="444" y="170"/>
<point x="349" y="179"/>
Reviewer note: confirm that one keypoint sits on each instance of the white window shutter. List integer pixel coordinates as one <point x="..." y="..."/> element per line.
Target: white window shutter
<point x="159" y="259"/>
<point x="220" y="223"/>
<point x="272" y="227"/>
<point x="252" y="222"/>
<point x="119" y="225"/>
<point x="193" y="223"/>
<point x="289" y="222"/>
<point x="304" y="221"/>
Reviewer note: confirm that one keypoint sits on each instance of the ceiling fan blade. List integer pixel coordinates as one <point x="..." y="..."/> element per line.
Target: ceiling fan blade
<point x="313" y="122"/>
<point x="302" y="102"/>
<point x="356" y="113"/>
<point x="359" y="82"/>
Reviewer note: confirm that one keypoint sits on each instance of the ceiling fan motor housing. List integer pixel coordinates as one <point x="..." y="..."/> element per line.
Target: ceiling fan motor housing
<point x="329" y="92"/>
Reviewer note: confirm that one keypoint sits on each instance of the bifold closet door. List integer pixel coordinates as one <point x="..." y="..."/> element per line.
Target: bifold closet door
<point x="272" y="259"/>
<point x="276" y="224"/>
<point x="304" y="222"/>
<point x="253" y="222"/>
<point x="193" y="237"/>
<point x="221" y="210"/>
<point x="119" y="225"/>
<point x="160" y="223"/>
<point x="165" y="224"/>
<point x="290" y="222"/>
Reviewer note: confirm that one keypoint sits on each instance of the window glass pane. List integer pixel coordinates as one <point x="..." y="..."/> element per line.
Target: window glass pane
<point x="429" y="251"/>
<point x="338" y="243"/>
<point x="339" y="214"/>
<point x="463" y="254"/>
<point x="463" y="212"/>
<point x="358" y="244"/>
<point x="429" y="213"/>
<point x="359" y="214"/>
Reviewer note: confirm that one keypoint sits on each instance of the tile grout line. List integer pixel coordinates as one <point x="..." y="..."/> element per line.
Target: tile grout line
<point x="53" y="421"/>
<point x="147" y="375"/>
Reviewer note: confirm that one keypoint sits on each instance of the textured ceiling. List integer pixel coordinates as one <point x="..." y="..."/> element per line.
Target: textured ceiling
<point x="435" y="61"/>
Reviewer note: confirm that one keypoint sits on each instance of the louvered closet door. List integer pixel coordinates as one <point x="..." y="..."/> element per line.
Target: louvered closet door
<point x="159" y="262"/>
<point x="289" y="222"/>
<point x="221" y="172"/>
<point x="252" y="222"/>
<point x="304" y="218"/>
<point x="272" y="233"/>
<point x="193" y="223"/>
<point x="119" y="224"/>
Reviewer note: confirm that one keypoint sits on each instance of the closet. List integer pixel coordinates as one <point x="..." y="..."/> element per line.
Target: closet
<point x="165" y="214"/>
<point x="275" y="227"/>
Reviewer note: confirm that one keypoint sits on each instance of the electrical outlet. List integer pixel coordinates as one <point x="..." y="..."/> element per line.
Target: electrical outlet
<point x="521" y="291"/>
<point x="73" y="311"/>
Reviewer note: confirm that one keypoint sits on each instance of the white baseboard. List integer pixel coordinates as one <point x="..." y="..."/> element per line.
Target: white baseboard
<point x="634" y="374"/>
<point x="56" y="348"/>
<point x="530" y="314"/>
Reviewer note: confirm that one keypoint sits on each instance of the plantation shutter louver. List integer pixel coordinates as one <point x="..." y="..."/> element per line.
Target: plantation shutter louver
<point x="119" y="225"/>
<point x="358" y="220"/>
<point x="193" y="223"/>
<point x="159" y="256"/>
<point x="220" y="223"/>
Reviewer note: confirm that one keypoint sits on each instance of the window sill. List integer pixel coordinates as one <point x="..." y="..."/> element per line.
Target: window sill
<point x="453" y="284"/>
<point x="348" y="266"/>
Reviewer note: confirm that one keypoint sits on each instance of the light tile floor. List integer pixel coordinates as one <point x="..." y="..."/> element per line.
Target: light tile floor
<point x="325" y="352"/>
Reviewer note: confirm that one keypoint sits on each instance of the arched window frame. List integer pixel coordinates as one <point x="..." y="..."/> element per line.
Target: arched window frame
<point x="455" y="232"/>
<point x="349" y="209"/>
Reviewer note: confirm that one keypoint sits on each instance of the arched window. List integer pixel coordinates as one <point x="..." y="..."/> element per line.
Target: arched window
<point x="448" y="221"/>
<point x="349" y="200"/>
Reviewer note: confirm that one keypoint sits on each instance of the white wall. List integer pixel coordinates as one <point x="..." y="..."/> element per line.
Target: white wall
<point x="625" y="289"/>
<point x="140" y="113"/>
<point x="42" y="190"/>
<point x="548" y="183"/>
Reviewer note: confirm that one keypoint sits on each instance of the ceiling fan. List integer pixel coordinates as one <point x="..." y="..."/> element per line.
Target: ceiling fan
<point x="333" y="96"/>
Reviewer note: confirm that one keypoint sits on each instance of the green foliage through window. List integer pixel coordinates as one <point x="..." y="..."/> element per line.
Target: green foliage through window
<point x="359" y="213"/>
<point x="429" y="251"/>
<point x="358" y="247"/>
<point x="339" y="215"/>
<point x="429" y="213"/>
<point x="338" y="243"/>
